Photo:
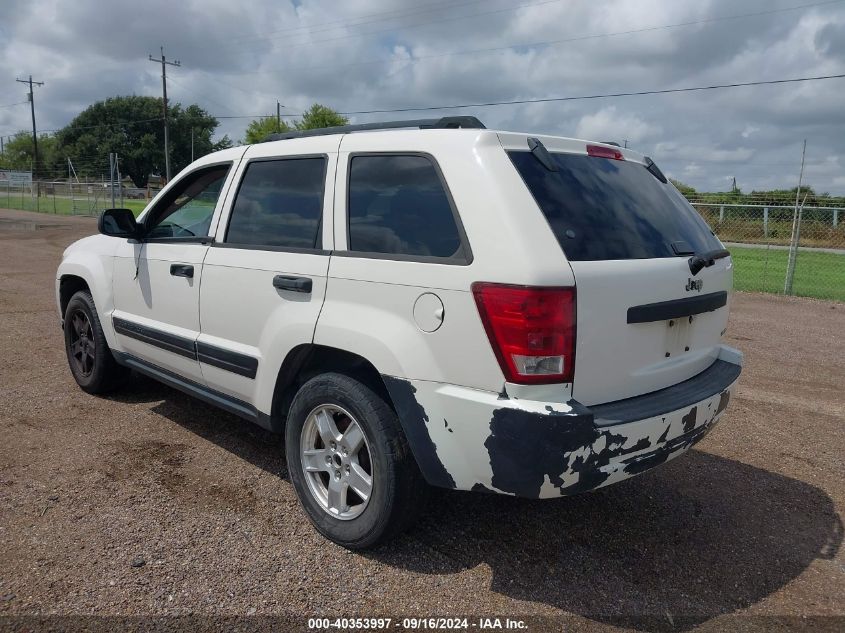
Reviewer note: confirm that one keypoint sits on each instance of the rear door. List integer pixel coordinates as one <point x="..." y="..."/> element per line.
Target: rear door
<point x="264" y="278"/>
<point x="644" y="321"/>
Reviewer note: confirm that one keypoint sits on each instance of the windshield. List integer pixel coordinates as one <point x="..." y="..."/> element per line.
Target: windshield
<point x="601" y="209"/>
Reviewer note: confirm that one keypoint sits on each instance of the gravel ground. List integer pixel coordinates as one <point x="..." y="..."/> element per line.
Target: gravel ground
<point x="149" y="503"/>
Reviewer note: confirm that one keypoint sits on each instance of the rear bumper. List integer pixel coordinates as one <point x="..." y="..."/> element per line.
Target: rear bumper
<point x="477" y="440"/>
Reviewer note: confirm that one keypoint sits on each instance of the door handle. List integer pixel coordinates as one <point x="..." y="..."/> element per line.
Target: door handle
<point x="182" y="270"/>
<point x="296" y="284"/>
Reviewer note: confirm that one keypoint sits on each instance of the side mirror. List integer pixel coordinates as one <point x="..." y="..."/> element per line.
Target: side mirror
<point x="119" y="223"/>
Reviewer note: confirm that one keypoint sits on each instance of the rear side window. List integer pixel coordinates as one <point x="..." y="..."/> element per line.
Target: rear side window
<point x="602" y="209"/>
<point x="398" y="205"/>
<point x="280" y="204"/>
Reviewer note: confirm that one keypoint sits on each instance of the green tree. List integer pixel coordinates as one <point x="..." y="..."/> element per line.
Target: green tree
<point x="132" y="127"/>
<point x="259" y="129"/>
<point x="320" y="116"/>
<point x="182" y="123"/>
<point x="317" y="116"/>
<point x="19" y="154"/>
<point x="684" y="188"/>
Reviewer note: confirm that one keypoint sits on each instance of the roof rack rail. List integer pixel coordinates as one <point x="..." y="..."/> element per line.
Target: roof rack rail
<point x="444" y="123"/>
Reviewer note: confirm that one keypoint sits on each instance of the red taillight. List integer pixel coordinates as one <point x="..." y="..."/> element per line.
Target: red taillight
<point x="532" y="331"/>
<point x="599" y="151"/>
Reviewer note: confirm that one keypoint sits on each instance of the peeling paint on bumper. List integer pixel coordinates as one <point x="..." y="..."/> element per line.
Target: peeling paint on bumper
<point x="542" y="450"/>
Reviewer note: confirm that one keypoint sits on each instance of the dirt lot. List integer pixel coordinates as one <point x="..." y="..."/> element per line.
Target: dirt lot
<point x="150" y="503"/>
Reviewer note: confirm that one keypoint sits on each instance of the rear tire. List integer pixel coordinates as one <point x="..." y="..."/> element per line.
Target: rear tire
<point x="330" y="464"/>
<point x="91" y="362"/>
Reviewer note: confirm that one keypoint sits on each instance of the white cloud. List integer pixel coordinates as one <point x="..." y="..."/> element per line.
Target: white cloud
<point x="611" y="124"/>
<point x="378" y="54"/>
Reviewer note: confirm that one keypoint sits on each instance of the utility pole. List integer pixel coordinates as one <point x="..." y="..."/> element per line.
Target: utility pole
<point x="279" y="116"/>
<point x="164" y="64"/>
<point x="31" y="97"/>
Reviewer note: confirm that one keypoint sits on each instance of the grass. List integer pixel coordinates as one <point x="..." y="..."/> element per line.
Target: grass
<point x="61" y="205"/>
<point x="746" y="225"/>
<point x="818" y="275"/>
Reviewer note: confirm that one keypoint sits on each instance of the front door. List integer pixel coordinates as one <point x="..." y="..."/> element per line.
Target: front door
<point x="157" y="280"/>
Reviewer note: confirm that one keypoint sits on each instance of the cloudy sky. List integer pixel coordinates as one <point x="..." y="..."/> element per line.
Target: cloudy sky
<point x="238" y="58"/>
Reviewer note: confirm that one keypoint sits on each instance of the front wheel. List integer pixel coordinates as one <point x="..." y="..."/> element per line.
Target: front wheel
<point x="88" y="354"/>
<point x="350" y="462"/>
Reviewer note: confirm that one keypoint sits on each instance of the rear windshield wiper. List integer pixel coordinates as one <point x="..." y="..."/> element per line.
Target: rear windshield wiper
<point x="539" y="151"/>
<point x="655" y="170"/>
<point x="705" y="260"/>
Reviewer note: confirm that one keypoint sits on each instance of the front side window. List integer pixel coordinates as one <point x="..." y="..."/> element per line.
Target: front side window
<point x="188" y="207"/>
<point x="279" y="204"/>
<point x="399" y="206"/>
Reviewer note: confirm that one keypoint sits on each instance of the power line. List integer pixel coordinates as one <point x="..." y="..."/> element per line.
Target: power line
<point x="140" y="121"/>
<point x="99" y="125"/>
<point x="255" y="116"/>
<point x="502" y="103"/>
<point x="9" y="105"/>
<point x="600" y="96"/>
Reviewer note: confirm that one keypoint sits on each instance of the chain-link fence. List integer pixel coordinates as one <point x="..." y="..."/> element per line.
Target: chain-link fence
<point x="761" y="236"/>
<point x="759" y="233"/>
<point x="73" y="198"/>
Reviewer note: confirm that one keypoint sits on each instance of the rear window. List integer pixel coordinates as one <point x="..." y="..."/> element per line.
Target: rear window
<point x="602" y="209"/>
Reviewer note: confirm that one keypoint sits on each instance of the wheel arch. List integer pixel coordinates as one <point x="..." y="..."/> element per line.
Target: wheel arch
<point x="91" y="270"/>
<point x="307" y="360"/>
<point x="69" y="285"/>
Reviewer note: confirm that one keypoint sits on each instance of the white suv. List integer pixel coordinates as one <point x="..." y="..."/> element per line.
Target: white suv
<point x="454" y="306"/>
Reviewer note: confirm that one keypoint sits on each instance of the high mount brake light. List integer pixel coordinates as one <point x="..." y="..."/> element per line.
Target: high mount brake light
<point x="531" y="331"/>
<point x="599" y="151"/>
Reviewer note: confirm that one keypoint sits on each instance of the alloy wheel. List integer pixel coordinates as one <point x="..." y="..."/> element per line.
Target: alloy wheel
<point x="83" y="347"/>
<point x="335" y="458"/>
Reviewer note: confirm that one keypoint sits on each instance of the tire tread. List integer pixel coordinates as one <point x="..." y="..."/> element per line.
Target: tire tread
<point x="108" y="374"/>
<point x="408" y="489"/>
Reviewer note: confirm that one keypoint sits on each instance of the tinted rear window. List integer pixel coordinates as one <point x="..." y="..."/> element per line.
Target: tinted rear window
<point x="604" y="209"/>
<point x="399" y="206"/>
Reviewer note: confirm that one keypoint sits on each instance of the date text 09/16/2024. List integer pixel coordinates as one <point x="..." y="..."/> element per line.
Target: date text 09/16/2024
<point x="431" y="623"/>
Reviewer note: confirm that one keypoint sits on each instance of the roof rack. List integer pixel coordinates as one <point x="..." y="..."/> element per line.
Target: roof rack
<point x="444" y="123"/>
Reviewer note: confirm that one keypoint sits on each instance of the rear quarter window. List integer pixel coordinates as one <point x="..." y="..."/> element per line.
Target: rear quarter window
<point x="603" y="209"/>
<point x="398" y="205"/>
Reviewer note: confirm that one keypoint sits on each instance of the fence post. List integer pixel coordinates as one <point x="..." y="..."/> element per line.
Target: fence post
<point x="721" y="214"/>
<point x="766" y="222"/>
<point x="835" y="218"/>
